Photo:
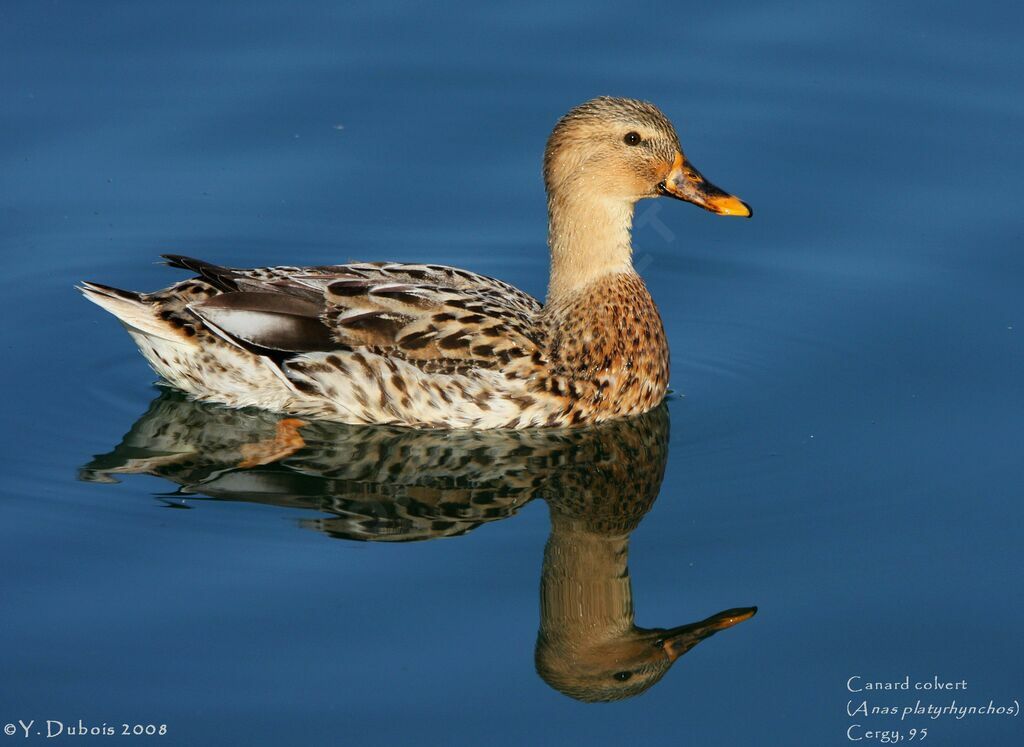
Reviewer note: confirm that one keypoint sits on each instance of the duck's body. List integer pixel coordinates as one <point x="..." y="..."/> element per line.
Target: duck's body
<point x="435" y="346"/>
<point x="417" y="345"/>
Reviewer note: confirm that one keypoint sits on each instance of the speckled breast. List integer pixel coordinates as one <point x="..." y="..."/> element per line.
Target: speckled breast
<point x="608" y="342"/>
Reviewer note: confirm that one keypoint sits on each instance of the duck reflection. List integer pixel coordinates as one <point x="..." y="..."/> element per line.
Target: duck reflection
<point x="375" y="483"/>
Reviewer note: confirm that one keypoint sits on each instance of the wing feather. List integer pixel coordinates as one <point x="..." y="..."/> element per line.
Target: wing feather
<point x="442" y="319"/>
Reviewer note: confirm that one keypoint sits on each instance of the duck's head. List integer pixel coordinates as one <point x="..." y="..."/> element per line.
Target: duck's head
<point x="629" y="663"/>
<point x="624" y="150"/>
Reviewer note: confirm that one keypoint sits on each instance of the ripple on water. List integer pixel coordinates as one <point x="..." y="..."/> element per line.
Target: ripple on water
<point x="707" y="352"/>
<point x="80" y="378"/>
<point x="724" y="376"/>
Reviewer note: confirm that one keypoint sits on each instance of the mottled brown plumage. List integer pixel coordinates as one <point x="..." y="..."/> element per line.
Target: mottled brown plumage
<point x="436" y="346"/>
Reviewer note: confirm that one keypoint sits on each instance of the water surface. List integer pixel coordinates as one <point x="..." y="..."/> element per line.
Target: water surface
<point x="847" y="368"/>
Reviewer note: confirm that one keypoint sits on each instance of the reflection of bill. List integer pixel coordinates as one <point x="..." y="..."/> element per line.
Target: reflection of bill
<point x="375" y="483"/>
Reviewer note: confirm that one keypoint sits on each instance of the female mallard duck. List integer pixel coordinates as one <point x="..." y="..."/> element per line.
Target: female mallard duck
<point x="435" y="346"/>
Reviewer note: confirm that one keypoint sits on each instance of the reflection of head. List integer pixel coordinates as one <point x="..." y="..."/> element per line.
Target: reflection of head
<point x="588" y="646"/>
<point x="619" y="662"/>
<point x="600" y="676"/>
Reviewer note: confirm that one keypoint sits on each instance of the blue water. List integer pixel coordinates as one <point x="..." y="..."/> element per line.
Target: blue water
<point x="845" y="429"/>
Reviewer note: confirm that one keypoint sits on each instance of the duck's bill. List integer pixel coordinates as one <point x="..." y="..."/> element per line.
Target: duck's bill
<point x="684" y="182"/>
<point x="678" y="641"/>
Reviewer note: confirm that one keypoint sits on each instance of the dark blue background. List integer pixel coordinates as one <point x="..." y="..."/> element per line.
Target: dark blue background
<point x="848" y="370"/>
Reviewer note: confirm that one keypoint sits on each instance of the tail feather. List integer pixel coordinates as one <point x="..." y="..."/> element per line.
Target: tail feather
<point x="222" y="278"/>
<point x="130" y="307"/>
<point x="89" y="288"/>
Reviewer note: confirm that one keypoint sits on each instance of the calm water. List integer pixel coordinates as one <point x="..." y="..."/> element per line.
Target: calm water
<point x="847" y="367"/>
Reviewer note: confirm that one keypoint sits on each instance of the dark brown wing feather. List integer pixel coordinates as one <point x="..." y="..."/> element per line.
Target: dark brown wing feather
<point x="221" y="278"/>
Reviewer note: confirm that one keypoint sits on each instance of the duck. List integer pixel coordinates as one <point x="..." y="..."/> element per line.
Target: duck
<point x="433" y="346"/>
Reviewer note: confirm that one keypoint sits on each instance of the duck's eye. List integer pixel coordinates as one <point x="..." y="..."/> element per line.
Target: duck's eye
<point x="622" y="676"/>
<point x="632" y="138"/>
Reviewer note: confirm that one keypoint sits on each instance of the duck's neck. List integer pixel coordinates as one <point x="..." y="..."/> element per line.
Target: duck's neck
<point x="589" y="238"/>
<point x="585" y="592"/>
